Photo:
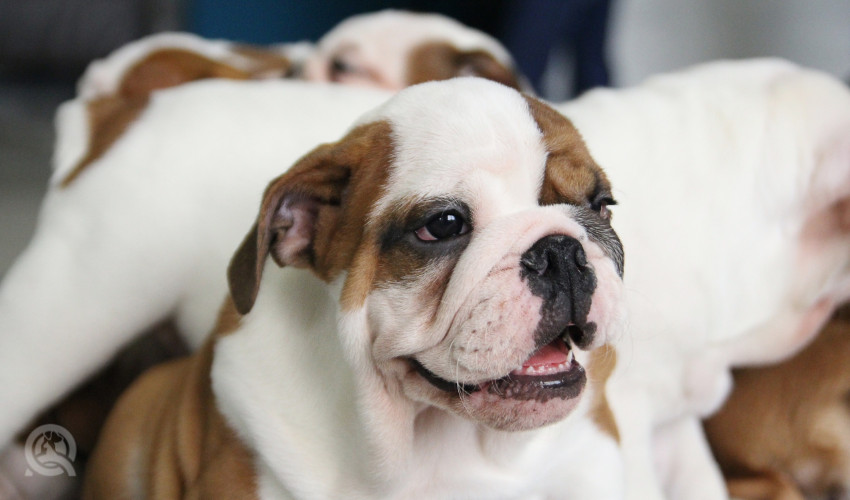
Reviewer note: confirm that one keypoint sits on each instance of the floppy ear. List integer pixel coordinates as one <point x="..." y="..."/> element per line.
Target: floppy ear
<point x="166" y="68"/>
<point x="484" y="65"/>
<point x="310" y="197"/>
<point x="441" y="61"/>
<point x="286" y="225"/>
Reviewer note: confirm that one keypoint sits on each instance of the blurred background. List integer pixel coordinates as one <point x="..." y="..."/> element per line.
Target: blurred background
<point x="564" y="46"/>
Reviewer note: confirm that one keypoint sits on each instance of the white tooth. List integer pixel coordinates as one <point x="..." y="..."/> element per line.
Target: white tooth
<point x="570" y="357"/>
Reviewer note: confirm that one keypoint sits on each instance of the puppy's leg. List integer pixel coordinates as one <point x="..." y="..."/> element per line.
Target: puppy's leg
<point x="684" y="460"/>
<point x="632" y="413"/>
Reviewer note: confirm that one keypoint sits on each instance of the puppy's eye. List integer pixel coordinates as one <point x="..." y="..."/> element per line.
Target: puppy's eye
<point x="340" y="67"/>
<point x="601" y="204"/>
<point x="446" y="225"/>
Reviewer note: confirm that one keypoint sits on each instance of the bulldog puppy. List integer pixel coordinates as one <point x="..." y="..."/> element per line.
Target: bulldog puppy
<point x="784" y="432"/>
<point x="393" y="49"/>
<point x="733" y="182"/>
<point x="463" y="268"/>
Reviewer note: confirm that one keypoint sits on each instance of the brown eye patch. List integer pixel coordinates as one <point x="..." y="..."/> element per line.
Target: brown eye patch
<point x="572" y="176"/>
<point x="403" y="252"/>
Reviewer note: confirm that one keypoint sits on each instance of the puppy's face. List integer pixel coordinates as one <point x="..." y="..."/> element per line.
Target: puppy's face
<point x="469" y="229"/>
<point x="395" y="49"/>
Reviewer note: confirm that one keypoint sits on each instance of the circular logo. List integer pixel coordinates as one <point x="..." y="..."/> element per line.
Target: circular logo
<point x="50" y="451"/>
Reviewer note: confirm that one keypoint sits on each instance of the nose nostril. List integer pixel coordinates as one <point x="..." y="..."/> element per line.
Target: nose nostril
<point x="580" y="257"/>
<point x="535" y="262"/>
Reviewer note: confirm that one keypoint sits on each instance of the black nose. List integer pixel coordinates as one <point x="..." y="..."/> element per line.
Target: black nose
<point x="556" y="270"/>
<point x="553" y="256"/>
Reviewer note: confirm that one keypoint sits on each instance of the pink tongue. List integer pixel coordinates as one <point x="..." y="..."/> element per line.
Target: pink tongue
<point x="550" y="354"/>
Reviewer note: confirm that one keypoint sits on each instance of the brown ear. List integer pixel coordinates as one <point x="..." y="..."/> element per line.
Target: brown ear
<point x="309" y="198"/>
<point x="172" y="67"/>
<point x="484" y="65"/>
<point x="441" y="61"/>
<point x="286" y="225"/>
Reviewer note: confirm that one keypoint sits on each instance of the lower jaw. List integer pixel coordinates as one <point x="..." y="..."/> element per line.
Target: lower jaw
<point x="539" y="388"/>
<point x="514" y="414"/>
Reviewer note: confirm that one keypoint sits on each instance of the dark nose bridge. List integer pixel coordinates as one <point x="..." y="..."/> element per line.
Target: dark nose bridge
<point x="556" y="270"/>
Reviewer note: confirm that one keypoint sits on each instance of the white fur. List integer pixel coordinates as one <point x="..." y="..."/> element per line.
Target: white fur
<point x="715" y="170"/>
<point x="132" y="220"/>
<point x="306" y="451"/>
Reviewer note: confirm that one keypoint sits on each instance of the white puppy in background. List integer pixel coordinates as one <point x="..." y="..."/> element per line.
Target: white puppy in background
<point x="393" y="49"/>
<point x="389" y="49"/>
<point x="731" y="179"/>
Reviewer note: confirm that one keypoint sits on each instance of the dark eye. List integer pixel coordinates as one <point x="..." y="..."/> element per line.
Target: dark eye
<point x="340" y="67"/>
<point x="601" y="204"/>
<point x="445" y="225"/>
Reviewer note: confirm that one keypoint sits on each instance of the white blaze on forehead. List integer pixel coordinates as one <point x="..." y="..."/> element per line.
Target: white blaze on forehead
<point x="385" y="39"/>
<point x="465" y="138"/>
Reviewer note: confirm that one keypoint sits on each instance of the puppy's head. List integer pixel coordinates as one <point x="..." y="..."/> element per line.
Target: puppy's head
<point x="395" y="49"/>
<point x="467" y="227"/>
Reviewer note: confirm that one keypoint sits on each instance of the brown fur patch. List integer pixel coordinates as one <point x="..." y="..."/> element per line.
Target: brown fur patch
<point x="768" y="486"/>
<point x="572" y="176"/>
<point x="344" y="179"/>
<point x="168" y="68"/>
<point x="110" y="116"/>
<point x="228" y="319"/>
<point x="602" y="363"/>
<point x="781" y="417"/>
<point x="166" y="439"/>
<point x="441" y="61"/>
<point x="265" y="63"/>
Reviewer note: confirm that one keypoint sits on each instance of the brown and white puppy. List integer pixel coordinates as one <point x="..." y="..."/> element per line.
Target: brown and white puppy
<point x="393" y="49"/>
<point x="463" y="268"/>
<point x="784" y="433"/>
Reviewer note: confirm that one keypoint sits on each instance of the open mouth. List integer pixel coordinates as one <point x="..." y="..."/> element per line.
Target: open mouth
<point x="550" y="372"/>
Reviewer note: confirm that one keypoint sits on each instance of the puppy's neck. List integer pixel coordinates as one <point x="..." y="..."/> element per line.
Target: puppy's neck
<point x="284" y="382"/>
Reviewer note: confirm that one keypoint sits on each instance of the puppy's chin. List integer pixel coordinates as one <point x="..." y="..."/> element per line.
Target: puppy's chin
<point x="545" y="390"/>
<point x="515" y="414"/>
